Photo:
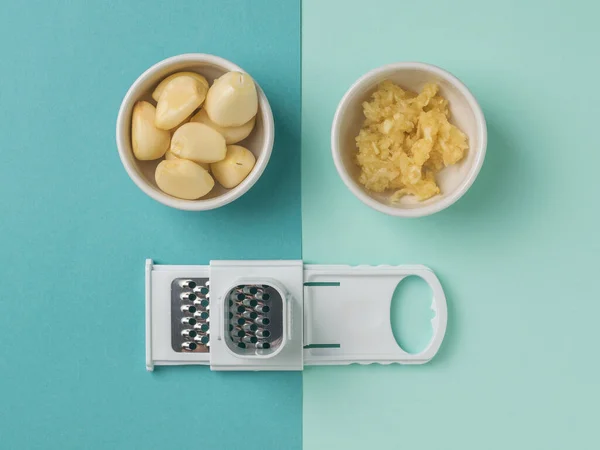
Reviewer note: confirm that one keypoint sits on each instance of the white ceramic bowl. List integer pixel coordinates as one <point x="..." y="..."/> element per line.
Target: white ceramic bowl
<point x="260" y="141"/>
<point x="465" y="113"/>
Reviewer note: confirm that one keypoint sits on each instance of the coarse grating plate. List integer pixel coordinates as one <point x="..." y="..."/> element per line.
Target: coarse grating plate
<point x="190" y="315"/>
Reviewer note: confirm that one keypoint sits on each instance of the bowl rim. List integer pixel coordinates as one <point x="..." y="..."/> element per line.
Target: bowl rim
<point x="124" y="147"/>
<point x="445" y="202"/>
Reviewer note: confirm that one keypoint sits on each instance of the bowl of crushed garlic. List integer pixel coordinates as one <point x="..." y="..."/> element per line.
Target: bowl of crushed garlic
<point x="180" y="180"/>
<point x="408" y="139"/>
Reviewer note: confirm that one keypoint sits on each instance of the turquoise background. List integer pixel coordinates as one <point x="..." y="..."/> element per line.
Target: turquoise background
<point x="517" y="256"/>
<point x="74" y="230"/>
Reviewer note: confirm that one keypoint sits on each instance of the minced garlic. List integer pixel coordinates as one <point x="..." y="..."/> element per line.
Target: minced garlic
<point x="405" y="140"/>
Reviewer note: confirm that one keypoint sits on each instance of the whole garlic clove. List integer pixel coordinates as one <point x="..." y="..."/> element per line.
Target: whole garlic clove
<point x="178" y="100"/>
<point x="232" y="100"/>
<point x="169" y="156"/>
<point x="183" y="179"/>
<point x="148" y="142"/>
<point x="199" y="143"/>
<point x="235" y="167"/>
<point x="232" y="135"/>
<point x="161" y="86"/>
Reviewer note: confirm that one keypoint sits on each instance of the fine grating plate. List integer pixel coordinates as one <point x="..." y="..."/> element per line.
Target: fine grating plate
<point x="255" y="319"/>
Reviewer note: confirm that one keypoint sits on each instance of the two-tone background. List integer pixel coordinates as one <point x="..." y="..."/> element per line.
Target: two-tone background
<point x="518" y="255"/>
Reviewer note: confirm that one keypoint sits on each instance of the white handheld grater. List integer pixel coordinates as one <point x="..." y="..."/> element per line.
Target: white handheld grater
<point x="279" y="315"/>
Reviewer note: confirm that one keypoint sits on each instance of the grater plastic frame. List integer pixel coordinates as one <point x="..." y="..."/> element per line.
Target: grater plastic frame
<point x="316" y="335"/>
<point x="331" y="289"/>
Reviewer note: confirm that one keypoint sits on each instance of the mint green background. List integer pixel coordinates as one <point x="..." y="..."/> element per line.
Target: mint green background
<point x="518" y="255"/>
<point x="75" y="230"/>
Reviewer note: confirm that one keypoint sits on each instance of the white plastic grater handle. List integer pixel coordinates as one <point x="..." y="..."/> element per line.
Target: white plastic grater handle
<point x="440" y="320"/>
<point x="343" y="325"/>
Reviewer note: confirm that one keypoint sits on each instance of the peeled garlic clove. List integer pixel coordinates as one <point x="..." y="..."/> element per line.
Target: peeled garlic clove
<point x="170" y="156"/>
<point x="232" y="100"/>
<point x="161" y="86"/>
<point x="235" y="167"/>
<point x="148" y="142"/>
<point x="179" y="98"/>
<point x="232" y="135"/>
<point x="183" y="179"/>
<point x="199" y="143"/>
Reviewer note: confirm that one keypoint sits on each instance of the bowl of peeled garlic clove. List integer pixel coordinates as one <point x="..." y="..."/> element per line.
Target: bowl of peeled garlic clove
<point x="195" y="132"/>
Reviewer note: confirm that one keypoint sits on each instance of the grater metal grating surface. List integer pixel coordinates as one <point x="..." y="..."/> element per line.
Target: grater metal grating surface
<point x="255" y="315"/>
<point x="190" y="316"/>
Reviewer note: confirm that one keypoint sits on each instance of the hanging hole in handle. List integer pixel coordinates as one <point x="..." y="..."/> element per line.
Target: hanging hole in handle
<point x="411" y="314"/>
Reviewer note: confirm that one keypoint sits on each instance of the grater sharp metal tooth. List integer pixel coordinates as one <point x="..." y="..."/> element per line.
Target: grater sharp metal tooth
<point x="188" y="296"/>
<point x="188" y="309"/>
<point x="188" y="321"/>
<point x="202" y="303"/>
<point x="201" y="291"/>
<point x="202" y="339"/>
<point x="201" y="315"/>
<point x="262" y="333"/>
<point x="252" y="290"/>
<point x="262" y="309"/>
<point x="250" y="339"/>
<point x="249" y="327"/>
<point x="251" y="315"/>
<point x="189" y="333"/>
<point x="262" y="296"/>
<point x="189" y="346"/>
<point x="188" y="284"/>
<point x="202" y="327"/>
<point x="237" y="332"/>
<point x="238" y="297"/>
<point x="263" y="345"/>
<point x="250" y="302"/>
<point x="262" y="320"/>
